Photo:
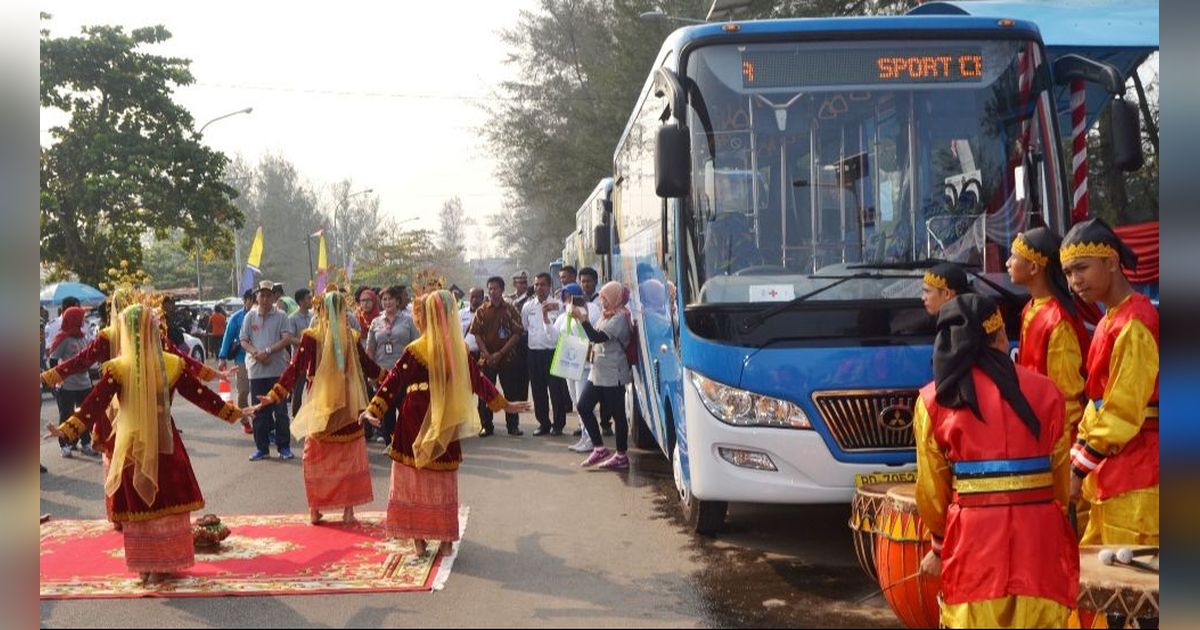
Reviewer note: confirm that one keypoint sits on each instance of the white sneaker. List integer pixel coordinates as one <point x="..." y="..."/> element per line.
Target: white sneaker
<point x="583" y="445"/>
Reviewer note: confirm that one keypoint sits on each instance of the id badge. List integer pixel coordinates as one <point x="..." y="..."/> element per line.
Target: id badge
<point x="387" y="348"/>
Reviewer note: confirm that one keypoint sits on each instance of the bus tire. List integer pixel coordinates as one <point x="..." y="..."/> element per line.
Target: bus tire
<point x="642" y="437"/>
<point x="703" y="517"/>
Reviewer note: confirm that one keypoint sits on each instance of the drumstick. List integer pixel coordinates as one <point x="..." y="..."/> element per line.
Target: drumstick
<point x="1073" y="516"/>
<point x="1125" y="555"/>
<point x="1108" y="557"/>
<point x="880" y="591"/>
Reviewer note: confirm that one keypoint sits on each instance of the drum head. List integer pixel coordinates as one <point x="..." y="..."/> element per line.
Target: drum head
<point x="903" y="497"/>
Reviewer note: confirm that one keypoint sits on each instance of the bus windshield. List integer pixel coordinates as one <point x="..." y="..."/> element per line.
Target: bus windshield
<point x="813" y="159"/>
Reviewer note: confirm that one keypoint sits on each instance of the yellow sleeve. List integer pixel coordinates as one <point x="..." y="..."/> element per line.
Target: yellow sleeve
<point x="1133" y="370"/>
<point x="934" y="477"/>
<point x="1060" y="468"/>
<point x="1063" y="362"/>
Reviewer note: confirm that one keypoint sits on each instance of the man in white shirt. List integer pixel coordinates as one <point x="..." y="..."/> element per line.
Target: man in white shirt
<point x="541" y="353"/>
<point x="466" y="314"/>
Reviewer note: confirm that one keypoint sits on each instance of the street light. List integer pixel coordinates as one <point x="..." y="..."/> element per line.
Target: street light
<point x="199" y="286"/>
<point x="659" y="16"/>
<point x="337" y="234"/>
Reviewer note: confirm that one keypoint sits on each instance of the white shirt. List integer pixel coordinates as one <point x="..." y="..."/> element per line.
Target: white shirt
<point x="52" y="329"/>
<point x="560" y="324"/>
<point x="465" y="315"/>
<point x="534" y="324"/>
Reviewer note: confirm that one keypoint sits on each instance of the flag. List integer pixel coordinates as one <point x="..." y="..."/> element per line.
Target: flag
<point x="322" y="263"/>
<point x="253" y="261"/>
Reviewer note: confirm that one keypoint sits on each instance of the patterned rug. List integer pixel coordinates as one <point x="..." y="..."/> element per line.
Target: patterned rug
<point x="264" y="555"/>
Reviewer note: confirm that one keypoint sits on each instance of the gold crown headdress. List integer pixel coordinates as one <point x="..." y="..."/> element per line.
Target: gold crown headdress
<point x="428" y="281"/>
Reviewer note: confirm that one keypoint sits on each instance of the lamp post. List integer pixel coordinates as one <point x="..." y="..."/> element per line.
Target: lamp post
<point x="659" y="16"/>
<point x="337" y="230"/>
<point x="199" y="285"/>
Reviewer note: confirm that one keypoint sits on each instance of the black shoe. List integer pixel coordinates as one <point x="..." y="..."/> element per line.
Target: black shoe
<point x="577" y="433"/>
<point x="606" y="430"/>
<point x="486" y="432"/>
<point x="556" y="432"/>
<point x="540" y="431"/>
<point x="516" y="432"/>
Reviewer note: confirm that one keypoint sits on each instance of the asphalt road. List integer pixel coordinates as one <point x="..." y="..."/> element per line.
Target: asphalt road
<point x="547" y="544"/>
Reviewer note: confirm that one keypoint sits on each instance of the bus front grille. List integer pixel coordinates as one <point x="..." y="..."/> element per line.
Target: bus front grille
<point x="869" y="419"/>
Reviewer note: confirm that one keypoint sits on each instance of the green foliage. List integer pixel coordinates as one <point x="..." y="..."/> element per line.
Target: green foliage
<point x="582" y="65"/>
<point x="394" y="256"/>
<point x="129" y="160"/>
<point x="172" y="266"/>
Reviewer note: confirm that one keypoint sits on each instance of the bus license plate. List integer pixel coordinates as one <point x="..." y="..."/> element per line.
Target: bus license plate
<point x="908" y="476"/>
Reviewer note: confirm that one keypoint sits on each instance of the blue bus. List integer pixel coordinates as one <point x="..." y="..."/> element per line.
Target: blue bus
<point x="777" y="193"/>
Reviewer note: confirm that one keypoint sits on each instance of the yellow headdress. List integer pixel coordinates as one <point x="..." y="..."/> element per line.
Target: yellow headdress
<point x="452" y="413"/>
<point x="338" y="393"/>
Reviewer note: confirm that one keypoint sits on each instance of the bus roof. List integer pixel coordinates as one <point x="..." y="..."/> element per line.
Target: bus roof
<point x="1120" y="32"/>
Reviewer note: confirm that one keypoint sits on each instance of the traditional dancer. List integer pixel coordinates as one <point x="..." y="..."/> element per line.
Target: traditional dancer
<point x="942" y="283"/>
<point x="150" y="482"/>
<point x="336" y="472"/>
<point x="992" y="479"/>
<point x="1054" y="340"/>
<point x="438" y="410"/>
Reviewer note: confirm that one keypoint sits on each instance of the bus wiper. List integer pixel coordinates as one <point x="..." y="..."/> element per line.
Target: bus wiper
<point x="755" y="320"/>
<point x="930" y="262"/>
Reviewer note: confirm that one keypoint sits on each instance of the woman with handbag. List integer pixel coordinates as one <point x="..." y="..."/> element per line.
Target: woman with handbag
<point x="609" y="374"/>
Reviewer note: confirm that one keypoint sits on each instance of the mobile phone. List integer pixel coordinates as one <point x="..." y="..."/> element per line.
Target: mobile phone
<point x="578" y="300"/>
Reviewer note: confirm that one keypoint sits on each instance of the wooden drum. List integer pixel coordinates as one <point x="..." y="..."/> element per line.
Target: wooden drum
<point x="864" y="523"/>
<point x="1115" y="589"/>
<point x="901" y="542"/>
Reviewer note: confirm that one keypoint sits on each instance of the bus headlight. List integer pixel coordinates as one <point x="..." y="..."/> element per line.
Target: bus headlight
<point x="741" y="408"/>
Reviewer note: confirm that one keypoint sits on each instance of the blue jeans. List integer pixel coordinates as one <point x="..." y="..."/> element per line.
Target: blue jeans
<point x="270" y="418"/>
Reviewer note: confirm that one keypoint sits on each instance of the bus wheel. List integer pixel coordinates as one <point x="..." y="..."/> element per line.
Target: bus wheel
<point x="642" y="437"/>
<point x="703" y="517"/>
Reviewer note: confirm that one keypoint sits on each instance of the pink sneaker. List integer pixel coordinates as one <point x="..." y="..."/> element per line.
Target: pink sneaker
<point x="617" y="462"/>
<point x="598" y="455"/>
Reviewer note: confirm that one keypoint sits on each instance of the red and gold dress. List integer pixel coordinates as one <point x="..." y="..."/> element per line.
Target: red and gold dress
<point x="336" y="471"/>
<point x="1117" y="449"/>
<point x="993" y="495"/>
<point x="100" y="350"/>
<point x="423" y="502"/>
<point x="158" y="536"/>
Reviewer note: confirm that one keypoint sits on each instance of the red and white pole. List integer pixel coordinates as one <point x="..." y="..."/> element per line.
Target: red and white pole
<point x="1079" y="160"/>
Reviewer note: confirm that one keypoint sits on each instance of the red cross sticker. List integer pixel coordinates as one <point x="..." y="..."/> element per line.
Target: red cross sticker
<point x="772" y="293"/>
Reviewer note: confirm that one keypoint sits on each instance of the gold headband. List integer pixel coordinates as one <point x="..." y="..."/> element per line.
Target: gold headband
<point x="936" y="281"/>
<point x="993" y="323"/>
<point x="1028" y="253"/>
<point x="1085" y="250"/>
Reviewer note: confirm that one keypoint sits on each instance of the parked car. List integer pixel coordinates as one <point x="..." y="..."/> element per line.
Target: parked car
<point x="195" y="347"/>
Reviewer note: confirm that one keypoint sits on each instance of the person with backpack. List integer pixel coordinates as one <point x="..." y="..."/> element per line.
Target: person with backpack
<point x="609" y="375"/>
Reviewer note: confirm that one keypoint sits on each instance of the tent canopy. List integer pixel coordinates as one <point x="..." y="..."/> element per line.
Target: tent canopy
<point x="54" y="294"/>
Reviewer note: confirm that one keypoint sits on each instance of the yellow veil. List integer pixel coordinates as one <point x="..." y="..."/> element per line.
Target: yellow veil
<point x="338" y="392"/>
<point x="452" y="414"/>
<point x="118" y="302"/>
<point x="143" y="425"/>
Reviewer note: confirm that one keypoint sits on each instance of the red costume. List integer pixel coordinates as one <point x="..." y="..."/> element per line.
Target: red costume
<point x="100" y="350"/>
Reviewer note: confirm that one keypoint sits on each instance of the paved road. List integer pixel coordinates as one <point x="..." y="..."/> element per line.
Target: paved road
<point x="547" y="544"/>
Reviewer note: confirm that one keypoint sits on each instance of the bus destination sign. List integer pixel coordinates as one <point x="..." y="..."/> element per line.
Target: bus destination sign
<point x="778" y="68"/>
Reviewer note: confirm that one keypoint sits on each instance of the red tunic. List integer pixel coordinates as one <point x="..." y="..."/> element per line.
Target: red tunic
<point x="178" y="491"/>
<point x="305" y="360"/>
<point x="1123" y="436"/>
<point x="1035" y="339"/>
<point x="1055" y="344"/>
<point x="991" y="551"/>
<point x="99" y="351"/>
<point x="409" y="375"/>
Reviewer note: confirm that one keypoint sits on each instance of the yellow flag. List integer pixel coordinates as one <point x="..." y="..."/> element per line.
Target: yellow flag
<point x="322" y="257"/>
<point x="256" y="249"/>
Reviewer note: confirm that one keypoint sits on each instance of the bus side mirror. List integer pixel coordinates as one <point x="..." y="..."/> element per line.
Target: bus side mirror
<point x="1126" y="135"/>
<point x="601" y="239"/>
<point x="672" y="161"/>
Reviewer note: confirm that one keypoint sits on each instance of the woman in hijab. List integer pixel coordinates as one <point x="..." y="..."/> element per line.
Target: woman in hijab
<point x="74" y="389"/>
<point x="331" y="356"/>
<point x="439" y="382"/>
<point x="609" y="375"/>
<point x="150" y="483"/>
<point x="368" y="309"/>
<point x="993" y="479"/>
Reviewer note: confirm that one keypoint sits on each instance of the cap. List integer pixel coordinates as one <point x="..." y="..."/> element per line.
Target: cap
<point x="265" y="285"/>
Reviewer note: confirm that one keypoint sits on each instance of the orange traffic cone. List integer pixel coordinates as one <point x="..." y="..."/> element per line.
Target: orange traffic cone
<point x="225" y="390"/>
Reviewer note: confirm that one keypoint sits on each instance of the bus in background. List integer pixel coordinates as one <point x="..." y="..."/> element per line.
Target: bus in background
<point x="778" y="191"/>
<point x="589" y="226"/>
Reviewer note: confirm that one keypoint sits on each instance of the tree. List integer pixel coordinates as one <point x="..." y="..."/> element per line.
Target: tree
<point x="394" y="256"/>
<point x="129" y="160"/>
<point x="453" y="221"/>
<point x="357" y="219"/>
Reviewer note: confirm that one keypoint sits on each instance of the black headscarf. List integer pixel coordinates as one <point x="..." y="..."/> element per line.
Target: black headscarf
<point x="962" y="343"/>
<point x="947" y="275"/>
<point x="1046" y="244"/>
<point x="1094" y="238"/>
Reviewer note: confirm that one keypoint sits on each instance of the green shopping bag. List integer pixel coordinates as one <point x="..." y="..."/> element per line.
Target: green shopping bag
<point x="570" y="354"/>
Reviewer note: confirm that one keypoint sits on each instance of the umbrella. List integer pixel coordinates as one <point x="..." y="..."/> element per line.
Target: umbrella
<point x="55" y="293"/>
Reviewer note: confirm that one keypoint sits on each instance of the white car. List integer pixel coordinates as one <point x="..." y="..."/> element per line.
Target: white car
<point x="195" y="347"/>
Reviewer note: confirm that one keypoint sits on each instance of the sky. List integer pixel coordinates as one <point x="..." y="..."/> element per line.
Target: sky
<point x="387" y="94"/>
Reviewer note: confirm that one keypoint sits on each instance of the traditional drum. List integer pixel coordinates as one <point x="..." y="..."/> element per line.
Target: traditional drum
<point x="1116" y="589"/>
<point x="901" y="542"/>
<point x="864" y="518"/>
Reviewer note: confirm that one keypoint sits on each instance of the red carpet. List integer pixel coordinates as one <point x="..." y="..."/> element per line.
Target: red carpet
<point x="264" y="555"/>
